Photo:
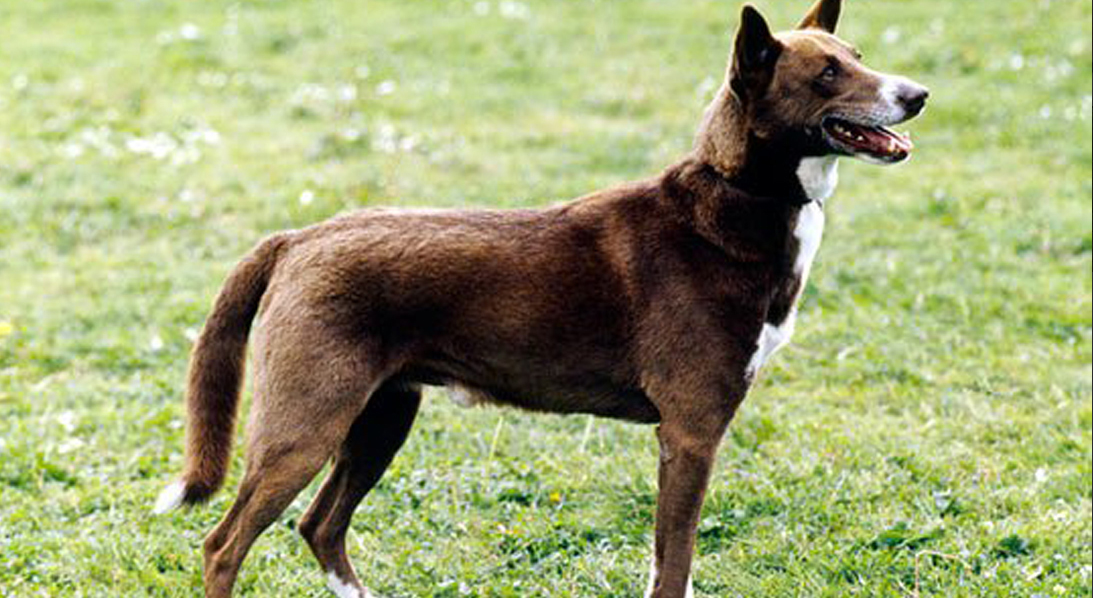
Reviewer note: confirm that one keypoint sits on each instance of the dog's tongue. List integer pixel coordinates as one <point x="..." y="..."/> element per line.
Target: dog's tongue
<point x="879" y="142"/>
<point x="886" y="142"/>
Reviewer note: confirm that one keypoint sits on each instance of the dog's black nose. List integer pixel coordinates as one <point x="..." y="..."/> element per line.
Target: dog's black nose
<point x="913" y="99"/>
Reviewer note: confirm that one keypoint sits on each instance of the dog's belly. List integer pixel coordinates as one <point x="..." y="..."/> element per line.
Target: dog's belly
<point x="592" y="395"/>
<point x="629" y="405"/>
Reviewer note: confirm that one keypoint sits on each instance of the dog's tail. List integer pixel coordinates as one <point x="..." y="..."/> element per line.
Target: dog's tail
<point x="216" y="372"/>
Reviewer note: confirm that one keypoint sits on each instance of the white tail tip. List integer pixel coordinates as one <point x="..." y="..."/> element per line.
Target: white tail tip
<point x="170" y="498"/>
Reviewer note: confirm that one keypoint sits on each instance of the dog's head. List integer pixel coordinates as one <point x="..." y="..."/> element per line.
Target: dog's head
<point x="809" y="86"/>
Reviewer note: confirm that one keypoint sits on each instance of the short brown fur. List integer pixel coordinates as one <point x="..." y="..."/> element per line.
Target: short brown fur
<point x="643" y="302"/>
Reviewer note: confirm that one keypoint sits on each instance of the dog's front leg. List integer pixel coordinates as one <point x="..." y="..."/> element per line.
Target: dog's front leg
<point x="686" y="458"/>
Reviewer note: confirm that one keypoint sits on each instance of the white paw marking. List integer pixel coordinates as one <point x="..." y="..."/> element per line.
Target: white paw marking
<point x="342" y="589"/>
<point x="170" y="498"/>
<point x="653" y="580"/>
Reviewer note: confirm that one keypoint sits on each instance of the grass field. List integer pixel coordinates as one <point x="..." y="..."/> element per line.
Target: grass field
<point x="928" y="430"/>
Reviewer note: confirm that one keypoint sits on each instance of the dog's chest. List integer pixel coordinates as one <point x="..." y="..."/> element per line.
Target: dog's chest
<point x="818" y="177"/>
<point x="808" y="232"/>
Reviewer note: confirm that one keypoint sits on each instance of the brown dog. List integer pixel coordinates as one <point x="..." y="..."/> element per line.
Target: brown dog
<point x="654" y="302"/>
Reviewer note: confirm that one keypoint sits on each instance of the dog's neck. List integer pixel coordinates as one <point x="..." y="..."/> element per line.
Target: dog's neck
<point x="743" y="191"/>
<point x="721" y="139"/>
<point x="760" y="166"/>
<point x="746" y="226"/>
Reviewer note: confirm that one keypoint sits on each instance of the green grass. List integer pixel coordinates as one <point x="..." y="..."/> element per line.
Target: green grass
<point x="936" y="400"/>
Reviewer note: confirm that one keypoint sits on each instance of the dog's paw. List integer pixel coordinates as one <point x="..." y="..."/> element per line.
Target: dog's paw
<point x="343" y="589"/>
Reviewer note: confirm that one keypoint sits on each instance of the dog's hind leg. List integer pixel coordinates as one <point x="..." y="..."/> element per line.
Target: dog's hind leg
<point x="276" y="473"/>
<point x="375" y="437"/>
<point x="302" y="410"/>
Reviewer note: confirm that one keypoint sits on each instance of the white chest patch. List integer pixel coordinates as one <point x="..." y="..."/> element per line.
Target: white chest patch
<point x="809" y="231"/>
<point x="818" y="177"/>
<point x="771" y="338"/>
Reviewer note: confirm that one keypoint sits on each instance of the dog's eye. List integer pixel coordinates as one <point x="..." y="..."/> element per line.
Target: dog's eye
<point x="829" y="73"/>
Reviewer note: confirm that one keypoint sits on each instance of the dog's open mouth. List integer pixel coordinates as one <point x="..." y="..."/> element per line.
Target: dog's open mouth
<point x="877" y="142"/>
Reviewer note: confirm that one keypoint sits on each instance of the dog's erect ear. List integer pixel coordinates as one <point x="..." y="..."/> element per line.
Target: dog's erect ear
<point x="823" y="15"/>
<point x="754" y="53"/>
